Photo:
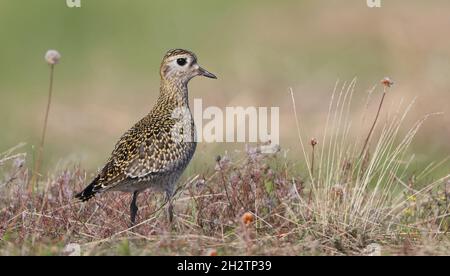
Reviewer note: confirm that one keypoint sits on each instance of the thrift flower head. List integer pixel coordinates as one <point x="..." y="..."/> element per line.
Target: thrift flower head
<point x="52" y="57"/>
<point x="387" y="82"/>
<point x="247" y="218"/>
<point x="211" y="252"/>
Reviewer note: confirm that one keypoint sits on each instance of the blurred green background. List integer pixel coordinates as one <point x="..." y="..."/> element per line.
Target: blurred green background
<point x="111" y="51"/>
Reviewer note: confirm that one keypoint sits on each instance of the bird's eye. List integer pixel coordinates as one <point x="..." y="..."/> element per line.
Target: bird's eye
<point x="181" y="61"/>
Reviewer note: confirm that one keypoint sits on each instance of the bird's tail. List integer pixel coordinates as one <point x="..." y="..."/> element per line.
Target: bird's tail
<point x="88" y="192"/>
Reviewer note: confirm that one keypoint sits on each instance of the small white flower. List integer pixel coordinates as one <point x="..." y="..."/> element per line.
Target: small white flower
<point x="52" y="57"/>
<point x="72" y="249"/>
<point x="373" y="249"/>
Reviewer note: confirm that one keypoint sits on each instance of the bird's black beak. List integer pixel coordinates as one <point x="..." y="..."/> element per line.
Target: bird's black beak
<point x="205" y="73"/>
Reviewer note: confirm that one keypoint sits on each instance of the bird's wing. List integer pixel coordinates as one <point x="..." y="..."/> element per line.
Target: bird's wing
<point x="158" y="153"/>
<point x="114" y="170"/>
<point x="147" y="148"/>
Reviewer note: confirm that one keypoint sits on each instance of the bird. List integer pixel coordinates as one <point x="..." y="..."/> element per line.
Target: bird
<point x="157" y="149"/>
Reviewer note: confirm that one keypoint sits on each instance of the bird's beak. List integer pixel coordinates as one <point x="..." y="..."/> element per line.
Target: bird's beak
<point x="205" y="73"/>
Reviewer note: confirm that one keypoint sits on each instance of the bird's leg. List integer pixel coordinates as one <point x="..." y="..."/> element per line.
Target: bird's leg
<point x="133" y="208"/>
<point x="170" y="206"/>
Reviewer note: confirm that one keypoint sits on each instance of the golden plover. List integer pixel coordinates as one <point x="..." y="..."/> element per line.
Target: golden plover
<point x="151" y="154"/>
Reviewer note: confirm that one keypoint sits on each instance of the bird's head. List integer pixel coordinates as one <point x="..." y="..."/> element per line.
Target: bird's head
<point x="180" y="65"/>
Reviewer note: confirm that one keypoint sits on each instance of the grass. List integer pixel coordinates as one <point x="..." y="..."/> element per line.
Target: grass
<point x="249" y="203"/>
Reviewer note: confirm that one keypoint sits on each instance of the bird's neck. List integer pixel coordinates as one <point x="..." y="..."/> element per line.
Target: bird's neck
<point x="173" y="94"/>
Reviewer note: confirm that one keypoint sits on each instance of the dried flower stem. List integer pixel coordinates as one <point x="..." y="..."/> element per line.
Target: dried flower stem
<point x="366" y="142"/>
<point x="313" y="145"/>
<point x="37" y="165"/>
<point x="224" y="183"/>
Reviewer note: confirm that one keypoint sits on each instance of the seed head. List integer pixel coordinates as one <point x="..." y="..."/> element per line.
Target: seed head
<point x="337" y="192"/>
<point x="387" y="82"/>
<point x="314" y="142"/>
<point x="52" y="57"/>
<point x="222" y="163"/>
<point x="211" y="252"/>
<point x="247" y="218"/>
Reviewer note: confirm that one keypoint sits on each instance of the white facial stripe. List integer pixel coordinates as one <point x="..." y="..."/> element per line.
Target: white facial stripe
<point x="174" y="59"/>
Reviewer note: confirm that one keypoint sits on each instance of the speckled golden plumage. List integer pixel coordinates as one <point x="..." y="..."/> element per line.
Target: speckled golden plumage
<point x="150" y="154"/>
